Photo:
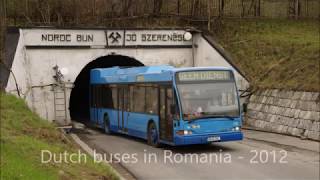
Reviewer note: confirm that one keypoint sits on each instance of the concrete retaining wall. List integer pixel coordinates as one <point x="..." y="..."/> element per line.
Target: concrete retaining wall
<point x="287" y="112"/>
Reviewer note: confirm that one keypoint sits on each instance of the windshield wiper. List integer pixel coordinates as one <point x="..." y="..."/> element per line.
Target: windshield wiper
<point x="223" y="116"/>
<point x="210" y="116"/>
<point x="198" y="118"/>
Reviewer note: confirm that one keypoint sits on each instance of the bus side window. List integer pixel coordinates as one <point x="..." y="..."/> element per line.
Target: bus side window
<point x="169" y="97"/>
<point x="152" y="100"/>
<point x="131" y="97"/>
<point x="120" y="98"/>
<point x="139" y="98"/>
<point x="172" y="101"/>
<point x="114" y="97"/>
<point x="162" y="108"/>
<point x="106" y="96"/>
<point x="126" y="100"/>
<point x="96" y="96"/>
<point x="99" y="100"/>
<point x="92" y="96"/>
<point x="175" y="102"/>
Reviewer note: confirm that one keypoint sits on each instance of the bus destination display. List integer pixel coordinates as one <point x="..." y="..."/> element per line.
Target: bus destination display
<point x="204" y="76"/>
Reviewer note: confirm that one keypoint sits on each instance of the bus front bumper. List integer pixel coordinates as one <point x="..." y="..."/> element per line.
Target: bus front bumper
<point x="207" y="138"/>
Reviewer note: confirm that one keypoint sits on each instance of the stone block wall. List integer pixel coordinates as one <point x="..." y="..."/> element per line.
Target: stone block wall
<point x="294" y="113"/>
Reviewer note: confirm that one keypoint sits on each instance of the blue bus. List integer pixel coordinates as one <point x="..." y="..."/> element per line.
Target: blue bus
<point x="167" y="105"/>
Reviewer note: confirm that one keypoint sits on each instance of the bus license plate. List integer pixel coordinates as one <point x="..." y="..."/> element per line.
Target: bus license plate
<point x="213" y="138"/>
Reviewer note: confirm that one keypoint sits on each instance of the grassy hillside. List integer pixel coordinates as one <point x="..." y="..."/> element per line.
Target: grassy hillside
<point x="24" y="135"/>
<point x="281" y="54"/>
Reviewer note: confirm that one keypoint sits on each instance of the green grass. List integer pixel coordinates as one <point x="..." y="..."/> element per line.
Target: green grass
<point x="274" y="53"/>
<point x="24" y="135"/>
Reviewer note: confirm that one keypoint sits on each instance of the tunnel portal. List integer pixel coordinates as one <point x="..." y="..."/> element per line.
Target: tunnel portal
<point x="79" y="98"/>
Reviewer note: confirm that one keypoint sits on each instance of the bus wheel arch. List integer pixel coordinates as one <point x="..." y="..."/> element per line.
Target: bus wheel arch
<point x="106" y="123"/>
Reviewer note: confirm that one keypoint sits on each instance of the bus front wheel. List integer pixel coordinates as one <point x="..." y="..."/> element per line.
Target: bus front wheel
<point x="107" y="125"/>
<point x="153" y="135"/>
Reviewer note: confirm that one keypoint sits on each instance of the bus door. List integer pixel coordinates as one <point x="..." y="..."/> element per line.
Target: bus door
<point x="165" y="116"/>
<point x="123" y="106"/>
<point x="95" y="104"/>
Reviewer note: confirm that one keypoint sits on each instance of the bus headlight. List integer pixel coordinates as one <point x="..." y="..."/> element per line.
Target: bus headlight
<point x="236" y="128"/>
<point x="183" y="132"/>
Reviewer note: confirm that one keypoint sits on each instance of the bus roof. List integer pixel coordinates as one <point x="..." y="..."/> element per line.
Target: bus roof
<point x="162" y="73"/>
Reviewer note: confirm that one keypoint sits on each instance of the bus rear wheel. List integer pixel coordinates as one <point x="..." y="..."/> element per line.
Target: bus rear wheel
<point x="153" y="135"/>
<point x="106" y="124"/>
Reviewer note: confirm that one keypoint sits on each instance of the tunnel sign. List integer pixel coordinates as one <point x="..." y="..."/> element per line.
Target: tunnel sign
<point x="155" y="37"/>
<point x="115" y="38"/>
<point x="60" y="37"/>
<point x="104" y="38"/>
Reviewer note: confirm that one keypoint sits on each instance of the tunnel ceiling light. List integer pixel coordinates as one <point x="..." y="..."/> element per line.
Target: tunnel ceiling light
<point x="187" y="36"/>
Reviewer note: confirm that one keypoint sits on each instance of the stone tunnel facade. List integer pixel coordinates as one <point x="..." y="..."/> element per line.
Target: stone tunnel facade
<point x="38" y="50"/>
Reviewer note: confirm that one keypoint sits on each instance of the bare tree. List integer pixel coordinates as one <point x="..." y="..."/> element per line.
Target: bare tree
<point x="221" y="8"/>
<point x="3" y="26"/>
<point x="75" y="12"/>
<point x="296" y="9"/>
<point x="194" y="7"/>
<point x="126" y="5"/>
<point x="44" y="10"/>
<point x="157" y="5"/>
<point x="72" y="12"/>
<point x="27" y="8"/>
<point x="257" y="8"/>
<point x="178" y="6"/>
<point x="242" y="8"/>
<point x="209" y="14"/>
<point x="93" y="8"/>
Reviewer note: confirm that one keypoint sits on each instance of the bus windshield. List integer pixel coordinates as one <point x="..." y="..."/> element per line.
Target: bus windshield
<point x="208" y="99"/>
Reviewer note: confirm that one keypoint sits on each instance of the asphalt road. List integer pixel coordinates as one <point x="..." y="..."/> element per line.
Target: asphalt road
<point x="247" y="159"/>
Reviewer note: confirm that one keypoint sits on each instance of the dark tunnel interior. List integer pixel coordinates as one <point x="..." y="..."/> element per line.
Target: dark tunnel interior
<point x="79" y="98"/>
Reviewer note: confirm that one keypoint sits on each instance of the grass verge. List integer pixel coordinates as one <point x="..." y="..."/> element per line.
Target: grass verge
<point x="24" y="135"/>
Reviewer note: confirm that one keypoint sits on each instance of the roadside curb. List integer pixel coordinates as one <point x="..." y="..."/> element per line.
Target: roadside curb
<point x="262" y="130"/>
<point x="88" y="150"/>
<point x="266" y="140"/>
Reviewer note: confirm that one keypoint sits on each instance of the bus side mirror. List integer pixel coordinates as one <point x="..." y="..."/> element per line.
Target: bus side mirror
<point x="172" y="109"/>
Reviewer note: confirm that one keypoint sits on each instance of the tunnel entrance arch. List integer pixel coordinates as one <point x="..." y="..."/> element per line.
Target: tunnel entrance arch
<point x="79" y="97"/>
